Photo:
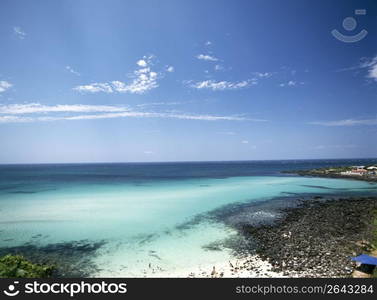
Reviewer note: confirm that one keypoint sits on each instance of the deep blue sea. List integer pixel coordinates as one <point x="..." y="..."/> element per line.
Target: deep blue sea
<point x="138" y="210"/>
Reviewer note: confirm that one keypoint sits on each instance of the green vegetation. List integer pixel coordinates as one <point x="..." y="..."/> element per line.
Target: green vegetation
<point x="16" y="266"/>
<point x="340" y="172"/>
<point x="327" y="170"/>
<point x="333" y="170"/>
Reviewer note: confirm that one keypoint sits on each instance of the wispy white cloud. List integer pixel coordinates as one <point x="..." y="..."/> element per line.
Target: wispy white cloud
<point x="144" y="79"/>
<point x="95" y="88"/>
<point x="15" y="119"/>
<point x="322" y="147"/>
<point x="208" y="117"/>
<point x="19" y="32"/>
<point x="222" y="85"/>
<point x="131" y="114"/>
<point x="159" y="104"/>
<point x="33" y="108"/>
<point x="208" y="43"/>
<point x="291" y="83"/>
<point x="219" y="67"/>
<point x="169" y="69"/>
<point x="35" y="112"/>
<point x="4" y="85"/>
<point x="148" y="152"/>
<point x="227" y="85"/>
<point x="70" y="69"/>
<point x="346" y="122"/>
<point x="206" y="57"/>
<point x="246" y="142"/>
<point x="368" y="64"/>
<point x="263" y="74"/>
<point x="373" y="72"/>
<point x="371" y="66"/>
<point x="227" y="132"/>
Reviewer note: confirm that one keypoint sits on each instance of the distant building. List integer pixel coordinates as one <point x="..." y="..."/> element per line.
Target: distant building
<point x="357" y="171"/>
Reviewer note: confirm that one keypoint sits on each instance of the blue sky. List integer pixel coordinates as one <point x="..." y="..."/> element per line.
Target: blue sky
<point x="109" y="81"/>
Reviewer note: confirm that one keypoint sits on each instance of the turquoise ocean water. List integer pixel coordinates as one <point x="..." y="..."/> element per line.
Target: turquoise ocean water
<point x="139" y="212"/>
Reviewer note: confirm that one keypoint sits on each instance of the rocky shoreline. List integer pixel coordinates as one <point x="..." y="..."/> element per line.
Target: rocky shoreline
<point x="317" y="238"/>
<point x="315" y="173"/>
<point x="295" y="236"/>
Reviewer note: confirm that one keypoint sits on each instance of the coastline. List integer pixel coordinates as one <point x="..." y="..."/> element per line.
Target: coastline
<point x="245" y="267"/>
<point x="308" y="237"/>
<point x="317" y="173"/>
<point x="316" y="238"/>
<point x="248" y="221"/>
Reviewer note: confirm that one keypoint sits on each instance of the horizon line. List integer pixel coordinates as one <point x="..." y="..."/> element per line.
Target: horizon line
<point x="184" y="161"/>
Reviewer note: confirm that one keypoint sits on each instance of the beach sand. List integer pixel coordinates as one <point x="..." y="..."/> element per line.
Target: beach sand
<point x="247" y="267"/>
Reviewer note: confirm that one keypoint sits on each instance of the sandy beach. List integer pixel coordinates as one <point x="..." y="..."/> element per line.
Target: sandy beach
<point x="248" y="267"/>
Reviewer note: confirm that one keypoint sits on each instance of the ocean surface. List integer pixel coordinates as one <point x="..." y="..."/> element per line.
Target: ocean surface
<point x="150" y="219"/>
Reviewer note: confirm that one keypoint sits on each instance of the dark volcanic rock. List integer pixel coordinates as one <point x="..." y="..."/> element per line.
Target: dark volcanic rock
<point x="318" y="237"/>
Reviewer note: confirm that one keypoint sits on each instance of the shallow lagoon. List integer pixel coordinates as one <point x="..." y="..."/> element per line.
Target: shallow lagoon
<point x="148" y="226"/>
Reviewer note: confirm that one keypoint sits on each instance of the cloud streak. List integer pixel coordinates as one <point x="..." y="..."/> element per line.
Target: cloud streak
<point x="222" y="85"/>
<point x="368" y="64"/>
<point x="322" y="147"/>
<point x="291" y="83"/>
<point x="346" y="122"/>
<point x="32" y="108"/>
<point x="35" y="112"/>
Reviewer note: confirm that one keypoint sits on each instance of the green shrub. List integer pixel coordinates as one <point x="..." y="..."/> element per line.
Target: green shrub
<point x="16" y="266"/>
